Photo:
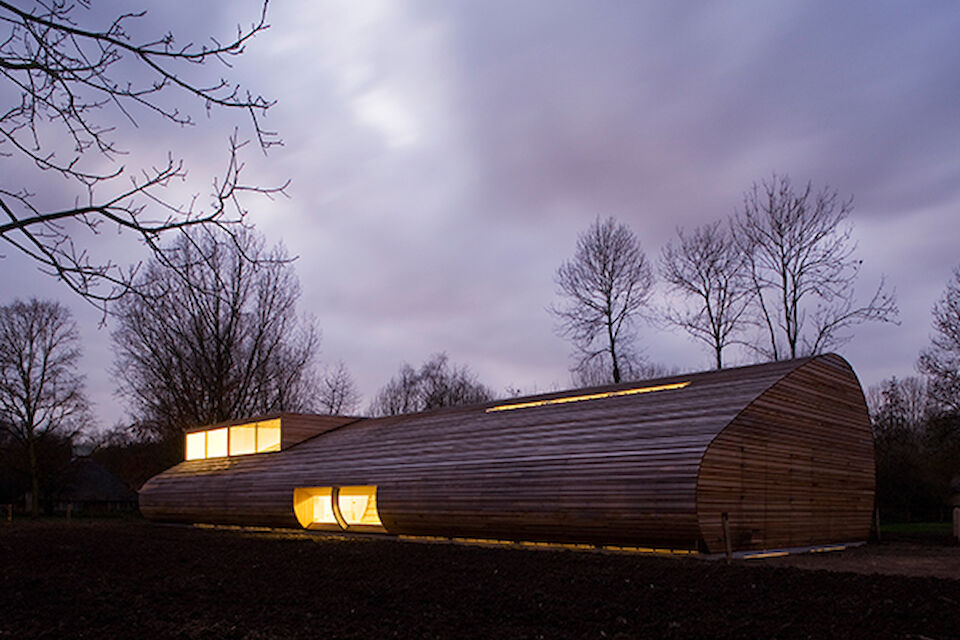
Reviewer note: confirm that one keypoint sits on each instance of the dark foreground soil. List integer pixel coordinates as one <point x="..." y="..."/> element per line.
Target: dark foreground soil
<point x="904" y="555"/>
<point x="135" y="580"/>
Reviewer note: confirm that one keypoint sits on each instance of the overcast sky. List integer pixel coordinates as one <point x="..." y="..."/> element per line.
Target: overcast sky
<point x="444" y="156"/>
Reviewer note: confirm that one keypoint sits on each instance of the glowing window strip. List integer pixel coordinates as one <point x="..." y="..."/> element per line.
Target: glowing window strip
<point x="590" y="396"/>
<point x="549" y="545"/>
<point x="234" y="440"/>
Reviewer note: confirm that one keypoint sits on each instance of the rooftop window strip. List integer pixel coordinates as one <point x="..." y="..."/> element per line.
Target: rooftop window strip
<point x="235" y="440"/>
<point x="588" y="396"/>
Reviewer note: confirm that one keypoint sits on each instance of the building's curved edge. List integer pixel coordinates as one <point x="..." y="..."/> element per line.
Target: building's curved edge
<point x="795" y="467"/>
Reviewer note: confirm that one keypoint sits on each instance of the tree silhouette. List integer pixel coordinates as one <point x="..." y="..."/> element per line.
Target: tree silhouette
<point x="215" y="336"/>
<point x="941" y="360"/>
<point x="605" y="287"/>
<point x="69" y="85"/>
<point x="41" y="393"/>
<point x="802" y="271"/>
<point x="436" y="384"/>
<point x="706" y="268"/>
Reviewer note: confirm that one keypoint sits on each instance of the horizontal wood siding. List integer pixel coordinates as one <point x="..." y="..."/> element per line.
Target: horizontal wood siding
<point x="796" y="468"/>
<point x="297" y="427"/>
<point x="615" y="470"/>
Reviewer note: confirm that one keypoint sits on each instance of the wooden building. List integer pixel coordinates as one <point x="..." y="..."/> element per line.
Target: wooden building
<point x="776" y="455"/>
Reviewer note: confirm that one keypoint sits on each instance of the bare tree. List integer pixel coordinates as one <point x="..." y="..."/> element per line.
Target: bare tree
<point x="41" y="393"/>
<point x="597" y="372"/>
<point x="606" y="286"/>
<point x="444" y="385"/>
<point x="338" y="393"/>
<point x="941" y="360"/>
<point x="399" y="396"/>
<point x="917" y="448"/>
<point x="216" y="337"/>
<point x="707" y="269"/>
<point x="802" y="270"/>
<point x="899" y="402"/>
<point x="66" y="72"/>
<point x="436" y="384"/>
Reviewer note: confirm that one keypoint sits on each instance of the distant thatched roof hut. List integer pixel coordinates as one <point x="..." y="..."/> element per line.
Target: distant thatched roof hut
<point x="88" y="486"/>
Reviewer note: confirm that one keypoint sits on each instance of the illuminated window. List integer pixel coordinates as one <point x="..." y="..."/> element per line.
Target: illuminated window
<point x="238" y="440"/>
<point x="268" y="436"/>
<point x="217" y="443"/>
<point x="243" y="439"/>
<point x="313" y="507"/>
<point x="323" y="509"/>
<point x="358" y="505"/>
<point x="351" y="508"/>
<point x="196" y="445"/>
<point x="589" y="396"/>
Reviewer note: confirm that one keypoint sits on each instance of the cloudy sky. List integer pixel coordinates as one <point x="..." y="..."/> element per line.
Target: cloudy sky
<point x="443" y="157"/>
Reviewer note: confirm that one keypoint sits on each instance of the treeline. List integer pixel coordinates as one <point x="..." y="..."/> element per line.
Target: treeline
<point x="916" y="424"/>
<point x="917" y="451"/>
<point x="774" y="280"/>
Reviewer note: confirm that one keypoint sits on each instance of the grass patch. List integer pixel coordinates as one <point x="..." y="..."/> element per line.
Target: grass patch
<point x="928" y="528"/>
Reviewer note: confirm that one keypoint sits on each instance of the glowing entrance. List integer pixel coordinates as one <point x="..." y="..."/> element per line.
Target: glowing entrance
<point x="358" y="506"/>
<point x="337" y="508"/>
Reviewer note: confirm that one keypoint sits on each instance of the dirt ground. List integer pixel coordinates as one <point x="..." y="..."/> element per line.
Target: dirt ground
<point x="101" y="579"/>
<point x="901" y="555"/>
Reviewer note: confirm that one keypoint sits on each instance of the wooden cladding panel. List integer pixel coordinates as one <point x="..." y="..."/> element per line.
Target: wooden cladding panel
<point x="297" y="427"/>
<point x="620" y="469"/>
<point x="795" y="468"/>
<point x="617" y="470"/>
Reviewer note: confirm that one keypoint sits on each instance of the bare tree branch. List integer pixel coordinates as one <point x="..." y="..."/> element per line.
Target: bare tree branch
<point x="899" y="404"/>
<point x="597" y="372"/>
<point x="801" y="268"/>
<point x="941" y="360"/>
<point x="707" y="268"/>
<point x="338" y="393"/>
<point x="215" y="337"/>
<point x="62" y="77"/>
<point x="436" y="384"/>
<point x="606" y="286"/>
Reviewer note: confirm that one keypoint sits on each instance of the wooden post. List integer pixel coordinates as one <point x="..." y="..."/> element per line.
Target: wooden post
<point x="956" y="524"/>
<point x="9" y="512"/>
<point x="726" y="535"/>
<point x="69" y="509"/>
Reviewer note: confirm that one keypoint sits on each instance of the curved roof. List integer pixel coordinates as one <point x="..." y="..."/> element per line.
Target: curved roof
<point x="619" y="462"/>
